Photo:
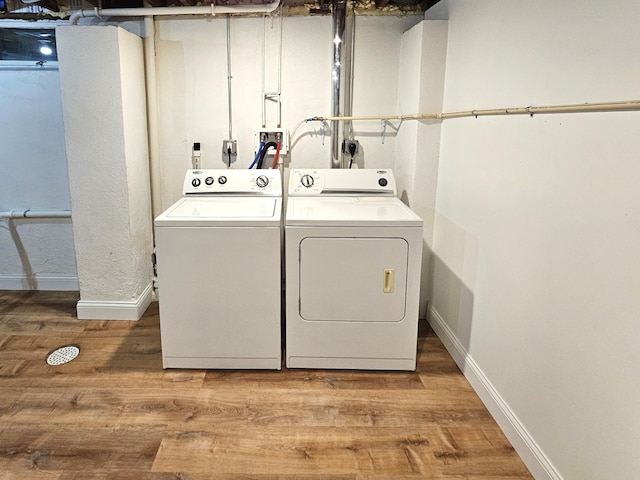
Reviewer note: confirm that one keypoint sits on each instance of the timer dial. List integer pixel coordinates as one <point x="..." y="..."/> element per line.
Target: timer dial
<point x="262" y="181"/>
<point x="307" y="181"/>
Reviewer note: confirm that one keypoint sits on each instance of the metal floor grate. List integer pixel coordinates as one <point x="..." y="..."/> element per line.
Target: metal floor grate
<point x="63" y="355"/>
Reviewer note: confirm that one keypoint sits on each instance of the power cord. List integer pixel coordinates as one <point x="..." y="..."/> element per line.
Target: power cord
<point x="352" y="151"/>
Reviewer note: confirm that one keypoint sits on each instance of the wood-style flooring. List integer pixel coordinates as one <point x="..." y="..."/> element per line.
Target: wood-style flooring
<point x="114" y="413"/>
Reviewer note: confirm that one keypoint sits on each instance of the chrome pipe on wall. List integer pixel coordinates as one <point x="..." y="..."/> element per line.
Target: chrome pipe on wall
<point x="339" y="19"/>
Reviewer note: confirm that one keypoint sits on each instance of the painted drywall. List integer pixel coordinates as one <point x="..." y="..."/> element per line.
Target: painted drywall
<point x="34" y="254"/>
<point x="136" y="156"/>
<point x="102" y="84"/>
<point x="536" y="272"/>
<point x="421" y="90"/>
<point x="191" y="67"/>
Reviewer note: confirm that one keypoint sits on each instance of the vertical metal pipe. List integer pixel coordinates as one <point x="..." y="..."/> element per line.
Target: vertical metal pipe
<point x="349" y="73"/>
<point x="280" y="19"/>
<point x="339" y="17"/>
<point x="264" y="72"/>
<point x="229" y="73"/>
<point x="155" y="167"/>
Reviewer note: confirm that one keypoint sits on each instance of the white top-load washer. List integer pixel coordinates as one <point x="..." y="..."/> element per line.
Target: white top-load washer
<point x="353" y="254"/>
<point x="218" y="254"/>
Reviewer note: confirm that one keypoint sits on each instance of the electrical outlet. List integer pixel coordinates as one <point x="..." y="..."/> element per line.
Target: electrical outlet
<point x="350" y="147"/>
<point x="229" y="152"/>
<point x="230" y="144"/>
<point x="272" y="135"/>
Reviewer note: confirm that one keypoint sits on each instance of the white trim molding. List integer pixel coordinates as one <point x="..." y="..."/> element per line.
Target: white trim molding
<point x="131" y="310"/>
<point x="534" y="458"/>
<point x="39" y="282"/>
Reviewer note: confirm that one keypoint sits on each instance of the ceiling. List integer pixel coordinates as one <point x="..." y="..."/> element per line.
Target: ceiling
<point x="52" y="9"/>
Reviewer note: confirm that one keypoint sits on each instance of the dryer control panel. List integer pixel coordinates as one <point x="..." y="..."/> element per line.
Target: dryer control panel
<point x="337" y="182"/>
<point x="232" y="182"/>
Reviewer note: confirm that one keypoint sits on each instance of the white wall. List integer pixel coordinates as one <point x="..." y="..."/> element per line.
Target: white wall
<point x="537" y="273"/>
<point x="192" y="89"/>
<point x="421" y="90"/>
<point x="34" y="254"/>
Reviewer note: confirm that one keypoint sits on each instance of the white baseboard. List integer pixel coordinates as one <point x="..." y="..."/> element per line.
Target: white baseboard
<point x="39" y="282"/>
<point x="131" y="310"/>
<point x="531" y="454"/>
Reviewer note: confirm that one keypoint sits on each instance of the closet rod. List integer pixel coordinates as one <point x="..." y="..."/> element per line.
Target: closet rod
<point x="631" y="105"/>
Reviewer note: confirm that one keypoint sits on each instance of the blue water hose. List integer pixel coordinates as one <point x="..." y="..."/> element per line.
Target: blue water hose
<point x="255" y="160"/>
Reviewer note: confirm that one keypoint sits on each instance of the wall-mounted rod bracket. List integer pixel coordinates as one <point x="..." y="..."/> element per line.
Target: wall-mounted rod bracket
<point x="384" y="123"/>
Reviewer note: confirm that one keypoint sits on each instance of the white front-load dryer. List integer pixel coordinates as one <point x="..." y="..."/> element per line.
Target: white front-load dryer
<point x="353" y="257"/>
<point x="218" y="254"/>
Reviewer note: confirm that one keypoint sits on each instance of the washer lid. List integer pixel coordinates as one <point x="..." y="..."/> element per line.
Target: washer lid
<point x="350" y="211"/>
<point x="221" y="212"/>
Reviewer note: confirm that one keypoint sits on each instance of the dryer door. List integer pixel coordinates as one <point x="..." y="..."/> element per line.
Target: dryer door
<point x="353" y="279"/>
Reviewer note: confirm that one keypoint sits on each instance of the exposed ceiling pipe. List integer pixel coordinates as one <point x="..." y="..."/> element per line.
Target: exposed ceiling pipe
<point x="157" y="11"/>
<point x="339" y="19"/>
<point x="36" y="214"/>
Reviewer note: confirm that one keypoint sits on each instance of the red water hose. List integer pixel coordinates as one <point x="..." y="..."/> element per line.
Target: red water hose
<point x="275" y="158"/>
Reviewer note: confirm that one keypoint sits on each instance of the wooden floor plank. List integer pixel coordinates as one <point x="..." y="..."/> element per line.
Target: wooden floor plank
<point x="360" y="408"/>
<point x="314" y="379"/>
<point x="32" y="475"/>
<point x="129" y="406"/>
<point x="116" y="374"/>
<point x="254" y="450"/>
<point x="340" y="451"/>
<point x="188" y="407"/>
<point x="142" y="475"/>
<point x="114" y="413"/>
<point x="69" y="447"/>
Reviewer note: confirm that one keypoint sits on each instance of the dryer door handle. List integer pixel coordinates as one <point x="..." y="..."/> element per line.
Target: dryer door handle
<point x="389" y="280"/>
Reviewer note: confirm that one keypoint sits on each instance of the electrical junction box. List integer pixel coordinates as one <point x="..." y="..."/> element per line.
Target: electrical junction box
<point x="229" y="152"/>
<point x="271" y="135"/>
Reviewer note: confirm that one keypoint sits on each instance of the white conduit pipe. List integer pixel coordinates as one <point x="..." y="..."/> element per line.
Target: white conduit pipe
<point x="36" y="214"/>
<point x="626" y="106"/>
<point x="152" y="110"/>
<point x="157" y="11"/>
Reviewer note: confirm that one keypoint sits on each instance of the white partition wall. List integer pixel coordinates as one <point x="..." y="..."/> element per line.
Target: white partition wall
<point x="536" y="268"/>
<point x="104" y="109"/>
<point x="421" y="90"/>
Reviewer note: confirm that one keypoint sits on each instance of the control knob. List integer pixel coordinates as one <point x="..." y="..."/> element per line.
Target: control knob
<point x="306" y="180"/>
<point x="383" y="182"/>
<point x="262" y="181"/>
<point x="209" y="180"/>
<point x="195" y="182"/>
<point x="222" y="180"/>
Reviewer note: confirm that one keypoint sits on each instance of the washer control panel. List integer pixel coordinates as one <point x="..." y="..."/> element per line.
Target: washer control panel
<point x="358" y="182"/>
<point x="232" y="182"/>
